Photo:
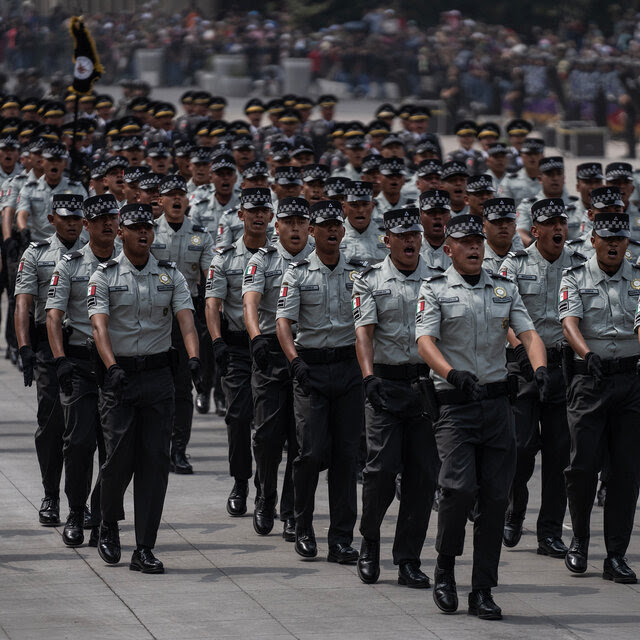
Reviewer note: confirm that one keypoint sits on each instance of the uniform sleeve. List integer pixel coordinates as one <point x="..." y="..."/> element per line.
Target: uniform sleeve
<point x="523" y="216"/>
<point x="27" y="276"/>
<point x="569" y="300"/>
<point x="509" y="268"/>
<point x="224" y="237"/>
<point x="363" y="304"/>
<point x="80" y="190"/>
<point x="428" y="313"/>
<point x="59" y="287"/>
<point x="181" y="295"/>
<point x="289" y="301"/>
<point x="98" y="293"/>
<point x="253" y="279"/>
<point x="206" y="255"/>
<point x="504" y="190"/>
<point x="519" y="318"/>
<point x="23" y="201"/>
<point x="216" y="286"/>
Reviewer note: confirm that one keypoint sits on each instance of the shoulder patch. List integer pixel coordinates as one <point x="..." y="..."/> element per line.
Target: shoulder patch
<point x="167" y="263"/>
<point x="268" y="249"/>
<point x="299" y="263"/>
<point x="106" y="265"/>
<point x="436" y="277"/>
<point x="222" y="250"/>
<point x="199" y="228"/>
<point x="42" y="243"/>
<point x="71" y="256"/>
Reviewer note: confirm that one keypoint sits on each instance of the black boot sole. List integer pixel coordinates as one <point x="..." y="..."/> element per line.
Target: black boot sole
<point x="618" y="579"/>
<point x="414" y="585"/>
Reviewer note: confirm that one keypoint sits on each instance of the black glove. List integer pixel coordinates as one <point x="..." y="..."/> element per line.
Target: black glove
<point x="221" y="355"/>
<point x="301" y="374"/>
<point x="28" y="358"/>
<point x="543" y="383"/>
<point x="195" y="371"/>
<point x="260" y="351"/>
<point x="466" y="382"/>
<point x="523" y="362"/>
<point x="374" y="390"/>
<point x="25" y="237"/>
<point x="116" y="378"/>
<point x="594" y="367"/>
<point x="64" y="371"/>
<point x="10" y="248"/>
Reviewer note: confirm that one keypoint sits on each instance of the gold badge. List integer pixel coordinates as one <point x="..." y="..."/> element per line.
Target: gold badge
<point x="499" y="292"/>
<point x="194" y="267"/>
<point x="505" y="323"/>
<point x="627" y="255"/>
<point x="164" y="278"/>
<point x="635" y="283"/>
<point x="196" y="240"/>
<point x="352" y="275"/>
<point x="381" y="239"/>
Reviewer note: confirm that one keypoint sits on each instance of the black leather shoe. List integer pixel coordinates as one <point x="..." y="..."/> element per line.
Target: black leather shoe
<point x="552" y="547"/>
<point x="342" y="554"/>
<point x="617" y="569"/>
<point x="263" y="518"/>
<point x="144" y="560"/>
<point x="179" y="463"/>
<point x="445" y="594"/>
<point x="109" y="543"/>
<point x="94" y="536"/>
<point x="577" y="555"/>
<point x="289" y="530"/>
<point x="368" y="565"/>
<point x="409" y="575"/>
<point x="306" y="543"/>
<point x="87" y="519"/>
<point x="73" y="533"/>
<point x="203" y="403"/>
<point x="49" y="514"/>
<point x="237" y="500"/>
<point x="481" y="604"/>
<point x="512" y="530"/>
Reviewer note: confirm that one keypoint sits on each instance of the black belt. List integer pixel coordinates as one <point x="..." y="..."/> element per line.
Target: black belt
<point x="610" y="366"/>
<point x="333" y="354"/>
<point x="455" y="396"/>
<point x="75" y="351"/>
<point x="236" y="338"/>
<point x="133" y="364"/>
<point x="400" y="371"/>
<point x="554" y="356"/>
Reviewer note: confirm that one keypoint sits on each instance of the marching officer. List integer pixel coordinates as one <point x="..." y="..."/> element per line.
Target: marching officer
<point x="231" y="347"/>
<point x="32" y="287"/>
<point x="132" y="300"/>
<point x="199" y="186"/>
<point x="597" y="304"/>
<point x="392" y="175"/>
<point x="524" y="182"/>
<point x="589" y="176"/>
<point x="327" y="386"/>
<point x="541" y="420"/>
<point x="68" y="328"/>
<point x="435" y="208"/>
<point x="500" y="231"/>
<point x="461" y="327"/>
<point x="190" y="247"/>
<point x="271" y="376"/>
<point x="471" y="158"/>
<point x="399" y="434"/>
<point x="454" y="178"/>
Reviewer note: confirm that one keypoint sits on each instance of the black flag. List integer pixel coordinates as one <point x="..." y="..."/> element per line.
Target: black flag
<point x="87" y="64"/>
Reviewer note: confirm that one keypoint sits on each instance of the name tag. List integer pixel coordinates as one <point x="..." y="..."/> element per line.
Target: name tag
<point x="526" y="276"/>
<point x="381" y="292"/>
<point x="634" y="292"/>
<point x="192" y="248"/>
<point x="158" y="246"/>
<point x="310" y="287"/>
<point x="79" y="278"/>
<point x="270" y="274"/>
<point x="501" y="300"/>
<point x="165" y="287"/>
<point x="234" y="272"/>
<point x="588" y="292"/>
<point x="119" y="287"/>
<point x="46" y="263"/>
<point x="453" y="299"/>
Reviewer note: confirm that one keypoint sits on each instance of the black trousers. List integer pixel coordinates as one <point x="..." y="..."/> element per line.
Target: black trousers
<point x="50" y="431"/>
<point x="275" y="425"/>
<point x="399" y="440"/>
<point x="82" y="434"/>
<point x="137" y="435"/>
<point x="209" y="376"/>
<point x="476" y="445"/>
<point x="183" y="417"/>
<point x="328" y="426"/>
<point x="237" y="390"/>
<point x="541" y="427"/>
<point x="10" y="267"/>
<point x="604" y="418"/>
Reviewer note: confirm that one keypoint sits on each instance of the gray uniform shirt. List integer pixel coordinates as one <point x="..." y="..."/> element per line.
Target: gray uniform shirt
<point x="606" y="306"/>
<point x="36" y="197"/>
<point x="384" y="205"/>
<point x="575" y="218"/>
<point x="264" y="274"/>
<point x="140" y="303"/>
<point x="36" y="268"/>
<point x="224" y="281"/>
<point x="11" y="188"/>
<point x="190" y="247"/>
<point x="348" y="171"/>
<point x="199" y="200"/>
<point x="386" y="298"/>
<point x="368" y="245"/>
<point x="210" y="215"/>
<point x="518" y="186"/>
<point x="435" y="258"/>
<point x="470" y="323"/>
<point x="68" y="291"/>
<point x="538" y="282"/>
<point x="319" y="300"/>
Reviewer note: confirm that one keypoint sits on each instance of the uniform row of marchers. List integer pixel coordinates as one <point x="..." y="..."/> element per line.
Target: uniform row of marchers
<point x="425" y="325"/>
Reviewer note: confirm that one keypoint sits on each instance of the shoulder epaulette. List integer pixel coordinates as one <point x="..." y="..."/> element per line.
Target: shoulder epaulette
<point x="74" y="183"/>
<point x="357" y="263"/>
<point x="512" y="175"/>
<point x="199" y="228"/>
<point x="499" y="276"/>
<point x="42" y="243"/>
<point x="436" y="277"/>
<point x="530" y="199"/>
<point x="573" y="198"/>
<point x="636" y="266"/>
<point x="106" y="265"/>
<point x="222" y="250"/>
<point x="574" y="241"/>
<point x="31" y="183"/>
<point x="71" y="256"/>
<point x="299" y="263"/>
<point x="167" y="263"/>
<point x="371" y="267"/>
<point x="268" y="249"/>
<point x="576" y="266"/>
<point x="518" y="253"/>
<point x="577" y="254"/>
<point x="633" y="241"/>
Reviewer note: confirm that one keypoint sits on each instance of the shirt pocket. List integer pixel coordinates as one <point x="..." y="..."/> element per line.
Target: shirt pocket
<point x="453" y="316"/>
<point x="313" y="305"/>
<point x="388" y="307"/>
<point x="161" y="301"/>
<point x="121" y="299"/>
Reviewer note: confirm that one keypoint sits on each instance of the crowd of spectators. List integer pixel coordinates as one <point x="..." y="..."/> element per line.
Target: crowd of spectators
<point x="575" y="72"/>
